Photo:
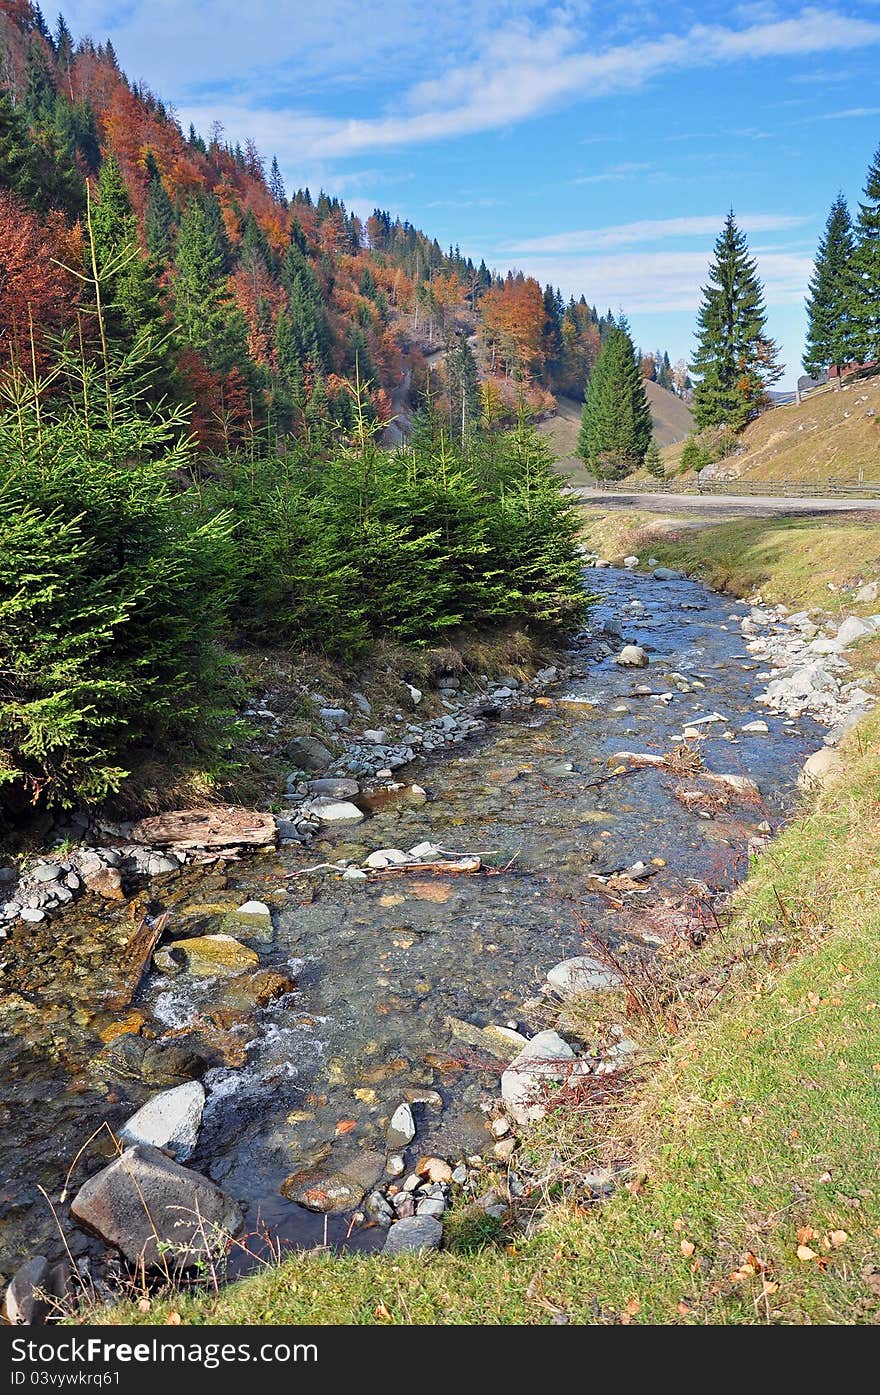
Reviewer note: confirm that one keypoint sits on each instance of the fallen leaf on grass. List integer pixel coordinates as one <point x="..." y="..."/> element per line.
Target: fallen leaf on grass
<point x="687" y="1248"/>
<point x="806" y="1233"/>
<point x="173" y="1320"/>
<point x="382" y="1313"/>
<point x="805" y="1254"/>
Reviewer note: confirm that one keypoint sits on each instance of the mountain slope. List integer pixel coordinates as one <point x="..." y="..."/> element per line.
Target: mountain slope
<point x="672" y="420"/>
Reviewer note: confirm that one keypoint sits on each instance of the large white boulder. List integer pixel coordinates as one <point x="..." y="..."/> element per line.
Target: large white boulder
<point x="545" y="1063"/>
<point x="581" y="975"/>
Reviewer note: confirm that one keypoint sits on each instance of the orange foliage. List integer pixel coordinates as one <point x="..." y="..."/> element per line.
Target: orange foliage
<point x="513" y="321"/>
<point x="34" y="288"/>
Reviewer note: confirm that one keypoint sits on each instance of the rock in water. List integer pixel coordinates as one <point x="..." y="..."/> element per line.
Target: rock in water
<point x="144" y="1199"/>
<point x="215" y="954"/>
<point x="337" y="811"/>
<point x="546" y="1062"/>
<point x="632" y="656"/>
<point x="171" y="1121"/>
<point x="581" y="975"/>
<point x="402" y="1129"/>
<point x="253" y="921"/>
<point x="667" y="574"/>
<point x="413" y="1234"/>
<point x="23" y="1305"/>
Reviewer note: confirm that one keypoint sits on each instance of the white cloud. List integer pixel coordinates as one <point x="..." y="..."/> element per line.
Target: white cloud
<point x="523" y="69"/>
<point x="616" y="174"/>
<point x="850" y="112"/>
<point x="655" y="282"/>
<point x="652" y="230"/>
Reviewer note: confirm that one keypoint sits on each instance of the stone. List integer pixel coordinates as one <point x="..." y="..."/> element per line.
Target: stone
<point x="667" y="574"/>
<point x="23" y="1305"/>
<point x="144" y="1200"/>
<point x="386" y="857"/>
<point x="504" y="1149"/>
<point x="868" y="594"/>
<point x="170" y="1121"/>
<point x="337" y="811"/>
<point x="852" y="630"/>
<point x="630" y="562"/>
<point x="740" y="784"/>
<point x="414" y="693"/>
<point x="215" y="954"/>
<point x="106" y="882"/>
<point x="632" y="656"/>
<point x="33" y="915"/>
<point x="378" y="1209"/>
<point x="757" y="728"/>
<point x="546" y="1061"/>
<point x="335" y="717"/>
<point x="435" y="1169"/>
<point x="396" y="1165"/>
<point x="501" y="1042"/>
<point x="402" y="1129"/>
<point x="308" y="753"/>
<point x="253" y="920"/>
<point x="376" y="738"/>
<point x="354" y="874"/>
<point x="329" y="1190"/>
<point x="821" y="769"/>
<point x="581" y="975"/>
<point x="431" y="1206"/>
<point x="335" y="789"/>
<point x="47" y="872"/>
<point x="413" y="1235"/>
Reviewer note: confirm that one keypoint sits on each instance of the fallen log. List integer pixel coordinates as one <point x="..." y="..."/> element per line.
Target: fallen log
<point x="225" y="826"/>
<point x="138" y="953"/>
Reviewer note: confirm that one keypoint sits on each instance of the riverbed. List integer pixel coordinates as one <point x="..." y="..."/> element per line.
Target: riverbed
<point x="380" y="966"/>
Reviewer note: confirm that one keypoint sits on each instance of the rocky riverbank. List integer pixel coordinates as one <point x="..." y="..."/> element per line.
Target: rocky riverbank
<point x="385" y="1071"/>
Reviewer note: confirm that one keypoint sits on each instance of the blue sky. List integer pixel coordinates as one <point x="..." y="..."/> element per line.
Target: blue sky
<point x="596" y="146"/>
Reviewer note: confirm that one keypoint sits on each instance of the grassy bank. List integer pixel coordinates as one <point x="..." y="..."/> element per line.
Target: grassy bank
<point x="753" y="1191"/>
<point x="789" y="560"/>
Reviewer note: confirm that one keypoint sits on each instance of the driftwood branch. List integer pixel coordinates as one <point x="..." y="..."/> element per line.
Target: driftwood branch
<point x="137" y="956"/>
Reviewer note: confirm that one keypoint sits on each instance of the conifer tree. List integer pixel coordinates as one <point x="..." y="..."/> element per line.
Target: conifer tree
<point x="276" y="183"/>
<point x="866" y="296"/>
<point x="735" y="358"/>
<point x="833" y="330"/>
<point x="464" y="388"/>
<point x="159" y="220"/>
<point x="133" y="312"/>
<point x="616" y="420"/>
<point x="653" y="463"/>
<point x="208" y="320"/>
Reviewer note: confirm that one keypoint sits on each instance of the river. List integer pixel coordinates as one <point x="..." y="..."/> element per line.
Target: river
<point x="310" y="1078"/>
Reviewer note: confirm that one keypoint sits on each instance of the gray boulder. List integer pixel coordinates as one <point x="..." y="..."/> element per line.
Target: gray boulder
<point x="144" y="1201"/>
<point x="581" y="975"/>
<point x="170" y="1121"/>
<point x="667" y="574"/>
<point x="308" y="753"/>
<point x="23" y="1304"/>
<point x="412" y="1235"/>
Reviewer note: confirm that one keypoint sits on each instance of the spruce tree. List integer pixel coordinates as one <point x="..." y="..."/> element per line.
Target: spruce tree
<point x="276" y="183"/>
<point x="616" y="420"/>
<point x="133" y="312"/>
<point x="159" y="220"/>
<point x="653" y="463"/>
<point x="464" y="388"/>
<point x="735" y="358"/>
<point x="866" y="293"/>
<point x="209" y="321"/>
<point x="833" y="333"/>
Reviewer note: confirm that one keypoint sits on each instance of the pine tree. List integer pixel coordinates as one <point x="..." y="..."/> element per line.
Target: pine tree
<point x="866" y="300"/>
<point x="833" y="333"/>
<point x="616" y="420"/>
<point x="653" y="463"/>
<point x="735" y="359"/>
<point x="276" y="183"/>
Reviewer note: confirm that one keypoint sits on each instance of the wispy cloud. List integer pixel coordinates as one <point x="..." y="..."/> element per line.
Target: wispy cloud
<point x="652" y="230"/>
<point x="524" y="69"/>
<point x="616" y="174"/>
<point x="654" y="282"/>
<point x="850" y="113"/>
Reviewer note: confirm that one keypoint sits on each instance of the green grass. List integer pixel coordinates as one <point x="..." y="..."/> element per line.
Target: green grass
<point x="791" y="560"/>
<point x="758" y="1120"/>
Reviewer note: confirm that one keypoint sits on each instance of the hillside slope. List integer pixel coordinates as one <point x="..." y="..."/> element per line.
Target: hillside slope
<point x="672" y="419"/>
<point x="830" y="436"/>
